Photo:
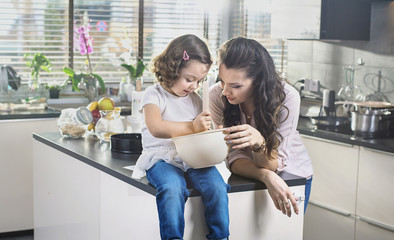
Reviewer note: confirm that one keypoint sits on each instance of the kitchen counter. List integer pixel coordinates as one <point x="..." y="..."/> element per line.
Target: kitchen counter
<point x="98" y="155"/>
<point x="381" y="144"/>
<point x="52" y="111"/>
<point x="29" y="114"/>
<point x="83" y="191"/>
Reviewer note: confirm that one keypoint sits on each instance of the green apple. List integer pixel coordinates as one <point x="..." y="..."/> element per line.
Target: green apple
<point x="106" y="103"/>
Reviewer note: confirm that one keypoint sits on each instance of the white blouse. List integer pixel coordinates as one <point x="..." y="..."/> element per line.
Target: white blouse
<point x="293" y="156"/>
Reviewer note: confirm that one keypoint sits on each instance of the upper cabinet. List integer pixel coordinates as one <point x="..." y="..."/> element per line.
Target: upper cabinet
<point x="321" y="19"/>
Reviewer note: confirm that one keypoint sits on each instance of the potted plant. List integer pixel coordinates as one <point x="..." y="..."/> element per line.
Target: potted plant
<point x="80" y="79"/>
<point x="55" y="88"/>
<point x="36" y="63"/>
<point x="134" y="80"/>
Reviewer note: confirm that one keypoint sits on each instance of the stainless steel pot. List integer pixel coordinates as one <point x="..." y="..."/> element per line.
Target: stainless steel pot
<point x="371" y="122"/>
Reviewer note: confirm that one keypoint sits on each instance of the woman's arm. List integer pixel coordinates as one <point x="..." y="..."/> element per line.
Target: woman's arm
<point x="243" y="136"/>
<point x="167" y="129"/>
<point x="277" y="188"/>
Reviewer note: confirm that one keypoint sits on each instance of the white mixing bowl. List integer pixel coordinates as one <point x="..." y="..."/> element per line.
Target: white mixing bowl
<point x="202" y="149"/>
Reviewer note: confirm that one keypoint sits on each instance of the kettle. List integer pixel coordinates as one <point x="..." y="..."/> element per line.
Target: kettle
<point x="8" y="77"/>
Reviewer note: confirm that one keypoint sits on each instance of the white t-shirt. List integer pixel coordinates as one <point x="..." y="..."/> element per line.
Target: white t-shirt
<point x="172" y="108"/>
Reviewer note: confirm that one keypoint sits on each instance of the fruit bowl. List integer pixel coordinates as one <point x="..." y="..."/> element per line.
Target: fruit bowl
<point x="203" y="149"/>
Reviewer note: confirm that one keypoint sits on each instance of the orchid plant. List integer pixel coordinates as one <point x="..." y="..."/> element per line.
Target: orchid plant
<point x="134" y="71"/>
<point x="85" y="48"/>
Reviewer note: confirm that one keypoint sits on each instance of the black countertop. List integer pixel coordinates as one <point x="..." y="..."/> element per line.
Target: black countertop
<point x="98" y="155"/>
<point x="50" y="112"/>
<point x="306" y="127"/>
<point x="29" y="114"/>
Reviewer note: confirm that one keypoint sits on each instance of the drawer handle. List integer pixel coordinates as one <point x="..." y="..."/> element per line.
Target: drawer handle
<point x="341" y="212"/>
<point x="379" y="151"/>
<point x="377" y="224"/>
<point x="299" y="199"/>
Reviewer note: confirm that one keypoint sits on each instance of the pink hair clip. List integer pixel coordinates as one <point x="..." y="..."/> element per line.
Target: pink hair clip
<point x="185" y="56"/>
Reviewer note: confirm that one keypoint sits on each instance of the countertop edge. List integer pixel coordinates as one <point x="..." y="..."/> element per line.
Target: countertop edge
<point x="380" y="144"/>
<point x="242" y="184"/>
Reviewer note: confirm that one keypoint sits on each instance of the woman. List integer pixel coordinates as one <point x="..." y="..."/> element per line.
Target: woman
<point x="261" y="112"/>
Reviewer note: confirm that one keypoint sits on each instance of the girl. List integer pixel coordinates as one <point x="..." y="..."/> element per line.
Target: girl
<point x="262" y="113"/>
<point x="171" y="108"/>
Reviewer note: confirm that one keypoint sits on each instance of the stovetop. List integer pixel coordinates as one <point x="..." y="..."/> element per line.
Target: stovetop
<point x="346" y="130"/>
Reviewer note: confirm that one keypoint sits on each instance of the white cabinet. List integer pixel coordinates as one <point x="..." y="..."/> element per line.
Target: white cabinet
<point x="352" y="192"/>
<point x="16" y="174"/>
<point x="334" y="187"/>
<point x="367" y="231"/>
<point x="375" y="195"/>
<point x="66" y="196"/>
<point x="323" y="224"/>
<point x="335" y="173"/>
<point x="75" y="201"/>
<point x="129" y="213"/>
<point x="253" y="216"/>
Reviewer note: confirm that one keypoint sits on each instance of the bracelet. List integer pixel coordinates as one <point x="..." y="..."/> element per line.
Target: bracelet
<point x="259" y="149"/>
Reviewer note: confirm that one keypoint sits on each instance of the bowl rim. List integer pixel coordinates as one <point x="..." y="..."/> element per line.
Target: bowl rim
<point x="200" y="133"/>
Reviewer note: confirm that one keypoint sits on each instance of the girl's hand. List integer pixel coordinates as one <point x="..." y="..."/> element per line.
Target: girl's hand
<point x="242" y="136"/>
<point x="280" y="194"/>
<point x="202" y="122"/>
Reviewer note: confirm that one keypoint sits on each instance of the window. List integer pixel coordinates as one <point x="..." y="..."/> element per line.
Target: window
<point x="114" y="28"/>
<point x="30" y="26"/>
<point x="253" y="20"/>
<point x="165" y="20"/>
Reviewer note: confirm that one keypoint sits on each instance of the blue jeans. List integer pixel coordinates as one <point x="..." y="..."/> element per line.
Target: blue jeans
<point x="308" y="186"/>
<point x="172" y="193"/>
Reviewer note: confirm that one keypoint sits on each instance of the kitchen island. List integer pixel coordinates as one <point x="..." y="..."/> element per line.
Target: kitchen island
<point x="82" y="190"/>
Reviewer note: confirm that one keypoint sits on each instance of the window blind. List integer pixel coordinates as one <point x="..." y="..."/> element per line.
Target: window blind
<point x="29" y="27"/>
<point x="165" y="20"/>
<point x="114" y="28"/>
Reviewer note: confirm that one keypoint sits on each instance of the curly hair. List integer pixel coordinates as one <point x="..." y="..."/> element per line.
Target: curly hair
<point x="168" y="65"/>
<point x="268" y="90"/>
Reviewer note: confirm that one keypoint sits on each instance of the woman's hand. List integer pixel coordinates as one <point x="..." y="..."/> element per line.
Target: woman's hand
<point x="202" y="122"/>
<point x="242" y="136"/>
<point x="280" y="193"/>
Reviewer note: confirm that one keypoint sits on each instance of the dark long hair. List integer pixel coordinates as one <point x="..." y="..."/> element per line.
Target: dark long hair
<point x="268" y="90"/>
<point x="168" y="65"/>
